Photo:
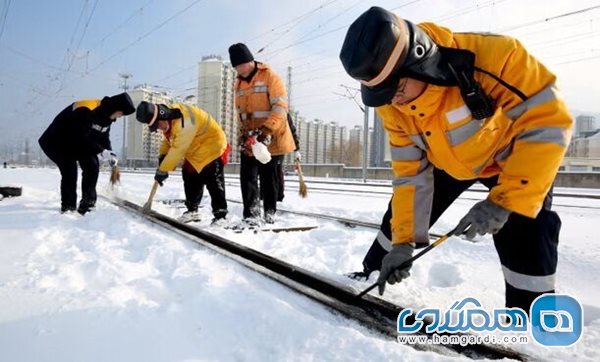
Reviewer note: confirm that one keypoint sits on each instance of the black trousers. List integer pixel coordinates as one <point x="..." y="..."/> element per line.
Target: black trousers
<point x="212" y="175"/>
<point x="250" y="170"/>
<point x="67" y="164"/>
<point x="527" y="247"/>
<point x="280" y="177"/>
<point x="280" y="174"/>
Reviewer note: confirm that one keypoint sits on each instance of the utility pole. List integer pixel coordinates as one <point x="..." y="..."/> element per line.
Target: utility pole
<point x="125" y="86"/>
<point x="351" y="93"/>
<point x="26" y="153"/>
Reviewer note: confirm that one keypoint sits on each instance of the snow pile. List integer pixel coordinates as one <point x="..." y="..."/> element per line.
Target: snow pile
<point x="111" y="286"/>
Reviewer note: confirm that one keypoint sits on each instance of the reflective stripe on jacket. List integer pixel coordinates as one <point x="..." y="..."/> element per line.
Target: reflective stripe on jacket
<point x="197" y="137"/>
<point x="523" y="142"/>
<point x="262" y="104"/>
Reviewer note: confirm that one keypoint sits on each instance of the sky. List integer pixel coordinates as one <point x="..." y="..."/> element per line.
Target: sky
<point x="55" y="52"/>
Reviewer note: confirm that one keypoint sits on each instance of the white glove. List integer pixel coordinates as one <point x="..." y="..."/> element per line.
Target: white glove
<point x="108" y="156"/>
<point x="297" y="156"/>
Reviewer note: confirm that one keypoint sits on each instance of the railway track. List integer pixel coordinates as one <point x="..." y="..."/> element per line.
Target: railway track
<point x="373" y="313"/>
<point x="311" y="183"/>
<point x="388" y="186"/>
<point x="389" y="194"/>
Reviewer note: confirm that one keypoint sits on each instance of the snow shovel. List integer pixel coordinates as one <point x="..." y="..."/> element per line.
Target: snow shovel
<point x="439" y="241"/>
<point x="148" y="205"/>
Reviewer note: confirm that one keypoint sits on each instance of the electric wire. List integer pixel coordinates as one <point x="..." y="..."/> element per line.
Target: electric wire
<point x="3" y="18"/>
<point x="145" y="35"/>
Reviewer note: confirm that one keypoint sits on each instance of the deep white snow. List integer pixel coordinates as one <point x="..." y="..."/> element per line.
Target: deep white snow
<point x="111" y="286"/>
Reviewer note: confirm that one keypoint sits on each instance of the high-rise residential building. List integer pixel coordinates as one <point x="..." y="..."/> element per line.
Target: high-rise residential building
<point x="336" y="143"/>
<point x="585" y="126"/>
<point x="355" y="143"/>
<point x="142" y="145"/>
<point x="216" y="79"/>
<point x="380" y="149"/>
<point x="303" y="132"/>
<point x="318" y="141"/>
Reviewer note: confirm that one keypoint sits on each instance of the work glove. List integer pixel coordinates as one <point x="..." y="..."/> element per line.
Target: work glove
<point x="109" y="157"/>
<point x="390" y="263"/>
<point x="265" y="139"/>
<point x="249" y="141"/>
<point x="483" y="218"/>
<point x="297" y="156"/>
<point x="160" y="176"/>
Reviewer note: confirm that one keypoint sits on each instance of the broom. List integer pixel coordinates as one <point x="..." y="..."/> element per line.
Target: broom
<point x="115" y="175"/>
<point x="303" y="190"/>
<point x="148" y="205"/>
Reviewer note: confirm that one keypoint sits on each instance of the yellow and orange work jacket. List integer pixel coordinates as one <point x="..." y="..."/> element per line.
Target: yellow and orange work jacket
<point x="262" y="104"/>
<point x="197" y="137"/>
<point x="523" y="142"/>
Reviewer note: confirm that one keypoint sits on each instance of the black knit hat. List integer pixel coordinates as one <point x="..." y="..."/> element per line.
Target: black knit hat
<point x="239" y="54"/>
<point x="120" y="102"/>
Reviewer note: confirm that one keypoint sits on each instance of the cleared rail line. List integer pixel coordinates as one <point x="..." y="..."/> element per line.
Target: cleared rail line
<point x="374" y="313"/>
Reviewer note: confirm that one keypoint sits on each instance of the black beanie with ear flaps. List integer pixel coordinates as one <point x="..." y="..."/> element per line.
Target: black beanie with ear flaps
<point x="145" y="113"/>
<point x="120" y="102"/>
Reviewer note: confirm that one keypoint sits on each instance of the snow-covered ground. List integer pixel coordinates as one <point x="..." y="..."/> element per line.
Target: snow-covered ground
<point x="112" y="286"/>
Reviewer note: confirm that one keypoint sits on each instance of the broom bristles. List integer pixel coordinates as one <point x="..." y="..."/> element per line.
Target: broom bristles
<point x="303" y="190"/>
<point x="115" y="175"/>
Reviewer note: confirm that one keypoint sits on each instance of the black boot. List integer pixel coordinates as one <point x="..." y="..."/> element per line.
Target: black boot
<point x="64" y="209"/>
<point x="86" y="206"/>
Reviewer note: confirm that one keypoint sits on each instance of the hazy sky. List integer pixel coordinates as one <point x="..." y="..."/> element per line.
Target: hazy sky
<point x="55" y="52"/>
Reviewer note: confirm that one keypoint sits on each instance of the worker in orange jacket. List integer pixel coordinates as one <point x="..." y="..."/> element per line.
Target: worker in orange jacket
<point x="261" y="103"/>
<point x="461" y="108"/>
<point x="194" y="136"/>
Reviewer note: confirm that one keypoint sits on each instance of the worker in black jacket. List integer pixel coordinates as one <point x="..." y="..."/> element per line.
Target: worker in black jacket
<point x="80" y="134"/>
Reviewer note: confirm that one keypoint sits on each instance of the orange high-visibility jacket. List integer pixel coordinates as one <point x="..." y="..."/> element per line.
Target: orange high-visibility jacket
<point x="523" y="142"/>
<point x="262" y="104"/>
<point x="197" y="137"/>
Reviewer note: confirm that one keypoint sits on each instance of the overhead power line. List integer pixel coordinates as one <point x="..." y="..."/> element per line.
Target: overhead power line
<point x="3" y="17"/>
<point x="287" y="23"/>
<point x="144" y="35"/>
<point x="545" y="20"/>
<point x="300" y="20"/>
<point x="85" y="28"/>
<point x="122" y="24"/>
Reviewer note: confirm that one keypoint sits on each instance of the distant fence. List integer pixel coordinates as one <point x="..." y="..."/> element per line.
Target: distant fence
<point x="563" y="179"/>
